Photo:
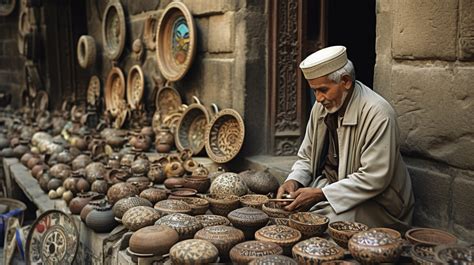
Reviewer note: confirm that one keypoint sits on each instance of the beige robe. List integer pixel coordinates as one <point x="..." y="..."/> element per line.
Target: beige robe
<point x="373" y="185"/>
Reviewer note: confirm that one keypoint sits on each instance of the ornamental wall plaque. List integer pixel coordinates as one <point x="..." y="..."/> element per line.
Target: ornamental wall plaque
<point x="53" y="239"/>
<point x="167" y="100"/>
<point x="225" y="136"/>
<point x="113" y="30"/>
<point x="175" y="41"/>
<point x="86" y="51"/>
<point x="7" y="7"/>
<point x="114" y="90"/>
<point x="135" y="86"/>
<point x="93" y="91"/>
<point x="149" y="32"/>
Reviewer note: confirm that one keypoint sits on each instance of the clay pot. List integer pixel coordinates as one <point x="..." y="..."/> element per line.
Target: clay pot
<point x="38" y="170"/>
<point x="35" y="160"/>
<point x="275" y="210"/>
<point x="281" y="235"/>
<point x="308" y="223"/>
<point x="316" y="250"/>
<point x="115" y="141"/>
<point x="172" y="206"/>
<point x="164" y="136"/>
<point x="156" y="240"/>
<point x="245" y="252"/>
<point x="121" y="190"/>
<point x="190" y="165"/>
<point x="222" y="204"/>
<point x="141" y="165"/>
<point x="64" y="157"/>
<point x="60" y="171"/>
<point x="375" y="246"/>
<point x="248" y="220"/>
<point x="127" y="159"/>
<point x="184" y="224"/>
<point x="68" y="196"/>
<point x="253" y="200"/>
<point x="140" y="181"/>
<point x="82" y="199"/>
<point x="260" y="182"/>
<point x="174" y="169"/>
<point x="162" y="147"/>
<point x="212" y="220"/>
<point x="223" y="237"/>
<point x="43" y="182"/>
<point x="78" y="142"/>
<point x="171" y="183"/>
<point x="153" y="195"/>
<point x="95" y="170"/>
<point x="96" y="201"/>
<point x="148" y="131"/>
<point x="142" y="142"/>
<point x="156" y="173"/>
<point x="25" y="157"/>
<point x="100" y="186"/>
<point x="139" y="217"/>
<point x="82" y="185"/>
<point x="122" y="205"/>
<point x="198" y="205"/>
<point x="342" y="231"/>
<point x="193" y="251"/>
<point x="201" y="184"/>
<point x="81" y="161"/>
<point x="115" y="176"/>
<point x="228" y="183"/>
<point x="273" y="259"/>
<point x="20" y="150"/>
<point x="215" y="174"/>
<point x="114" y="162"/>
<point x="200" y="171"/>
<point x="101" y="219"/>
<point x="54" y="183"/>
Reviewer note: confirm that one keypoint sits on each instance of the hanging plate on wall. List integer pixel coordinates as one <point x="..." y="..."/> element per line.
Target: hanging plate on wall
<point x="7" y="7"/>
<point x="135" y="86"/>
<point x="53" y="239"/>
<point x="113" y="30"/>
<point x="175" y="41"/>
<point x="114" y="90"/>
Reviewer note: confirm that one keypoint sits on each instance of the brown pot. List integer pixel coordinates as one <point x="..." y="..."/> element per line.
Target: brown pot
<point x="201" y="184"/>
<point x="156" y="173"/>
<point x="156" y="240"/>
<point x="223" y="237"/>
<point x="245" y="252"/>
<point x="174" y="169"/>
<point x="154" y="195"/>
<point x="100" y="186"/>
<point x="121" y="190"/>
<point x="81" y="200"/>
<point x="101" y="219"/>
<point x="249" y="220"/>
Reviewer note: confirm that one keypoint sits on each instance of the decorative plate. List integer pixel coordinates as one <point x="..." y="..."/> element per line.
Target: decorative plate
<point x="225" y="136"/>
<point x="53" y="239"/>
<point x="93" y="90"/>
<point x="7" y="7"/>
<point x="175" y="41"/>
<point x="149" y="32"/>
<point x="86" y="51"/>
<point x="113" y="30"/>
<point x="114" y="90"/>
<point x="135" y="86"/>
<point x="167" y="100"/>
<point x="191" y="129"/>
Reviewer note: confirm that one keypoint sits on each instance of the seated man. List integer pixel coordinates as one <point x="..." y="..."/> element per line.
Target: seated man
<point x="349" y="167"/>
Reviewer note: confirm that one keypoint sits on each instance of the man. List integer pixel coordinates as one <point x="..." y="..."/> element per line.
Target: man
<point x="349" y="167"/>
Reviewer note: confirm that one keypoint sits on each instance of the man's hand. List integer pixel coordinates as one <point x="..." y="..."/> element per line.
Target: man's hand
<point x="288" y="187"/>
<point x="305" y="198"/>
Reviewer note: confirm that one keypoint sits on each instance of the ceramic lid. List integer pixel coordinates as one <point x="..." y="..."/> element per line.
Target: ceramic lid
<point x="279" y="234"/>
<point x="318" y="247"/>
<point x="212" y="220"/>
<point x="373" y="237"/>
<point x="217" y="232"/>
<point x="173" y="206"/>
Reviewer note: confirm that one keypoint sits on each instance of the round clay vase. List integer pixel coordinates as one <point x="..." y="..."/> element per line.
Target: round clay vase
<point x="153" y="195"/>
<point x="139" y="217"/>
<point x="60" y="171"/>
<point x="95" y="170"/>
<point x="260" y="182"/>
<point x="81" y="161"/>
<point x="200" y="171"/>
<point x="184" y="224"/>
<point x="245" y="252"/>
<point x="172" y="206"/>
<point x="221" y="236"/>
<point x="164" y="136"/>
<point x="121" y="190"/>
<point x="215" y="174"/>
<point x="274" y="260"/>
<point x="101" y="219"/>
<point x="316" y="250"/>
<point x="171" y="183"/>
<point x="154" y="240"/>
<point x="193" y="251"/>
<point x="228" y="183"/>
<point x="249" y="220"/>
<point x="25" y="158"/>
<point x="342" y="231"/>
<point x="141" y="165"/>
<point x="122" y="205"/>
<point x="54" y="183"/>
<point x="190" y="165"/>
<point x="212" y="220"/>
<point x="174" y="169"/>
<point x="375" y="246"/>
<point x="81" y="200"/>
<point x="201" y="184"/>
<point x="282" y="235"/>
<point x="100" y="185"/>
<point x="222" y="204"/>
<point x="96" y="201"/>
<point x="156" y="173"/>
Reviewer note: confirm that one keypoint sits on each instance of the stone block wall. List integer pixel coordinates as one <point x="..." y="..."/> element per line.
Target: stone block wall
<point x="11" y="63"/>
<point x="424" y="67"/>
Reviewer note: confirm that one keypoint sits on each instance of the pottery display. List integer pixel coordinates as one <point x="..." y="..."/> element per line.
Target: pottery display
<point x="101" y="219"/>
<point x="430" y="236"/>
<point x="212" y="220"/>
<point x="245" y="252"/>
<point x="184" y="224"/>
<point x="342" y="231"/>
<point x="374" y="246"/>
<point x="140" y="181"/>
<point x="201" y="184"/>
<point x="282" y="235"/>
<point x="260" y="182"/>
<point x="182" y="192"/>
<point x="221" y="236"/>
<point x="316" y="250"/>
<point x="122" y="205"/>
<point x="275" y="210"/>
<point x="81" y="161"/>
<point x="253" y="200"/>
<point x="198" y="205"/>
<point x="273" y="260"/>
<point x="248" y="219"/>
<point x="222" y="204"/>
<point x="153" y="195"/>
<point x="172" y="206"/>
<point x="174" y="169"/>
<point x="139" y="217"/>
<point x="155" y="239"/>
<point x="171" y="183"/>
<point x="455" y="254"/>
<point x="121" y="190"/>
<point x="308" y="223"/>
<point x="423" y="254"/>
<point x="193" y="251"/>
<point x="228" y="183"/>
<point x="113" y="30"/>
<point x="191" y="129"/>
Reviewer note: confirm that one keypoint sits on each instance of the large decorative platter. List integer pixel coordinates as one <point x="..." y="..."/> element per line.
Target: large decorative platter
<point x="114" y="90"/>
<point x="93" y="90"/>
<point x="225" y="136"/>
<point x="167" y="101"/>
<point x="7" y="7"/>
<point x="135" y="86"/>
<point x="175" y="41"/>
<point x="113" y="30"/>
<point x="191" y="129"/>
<point x="149" y="32"/>
<point x="53" y="239"/>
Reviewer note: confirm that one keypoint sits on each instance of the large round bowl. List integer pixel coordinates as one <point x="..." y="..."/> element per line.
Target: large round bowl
<point x="135" y="86"/>
<point x="225" y="136"/>
<point x="191" y="130"/>
<point x="113" y="30"/>
<point x="114" y="90"/>
<point x="175" y="41"/>
<point x="430" y="236"/>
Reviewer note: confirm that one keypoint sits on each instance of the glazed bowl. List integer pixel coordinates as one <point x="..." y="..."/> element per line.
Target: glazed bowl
<point x="316" y="250"/>
<point x="342" y="231"/>
<point x="308" y="223"/>
<point x="375" y="246"/>
<point x="430" y="236"/>
<point x="253" y="200"/>
<point x="222" y="204"/>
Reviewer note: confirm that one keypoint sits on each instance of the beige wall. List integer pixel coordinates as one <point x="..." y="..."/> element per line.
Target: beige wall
<point x="425" y="68"/>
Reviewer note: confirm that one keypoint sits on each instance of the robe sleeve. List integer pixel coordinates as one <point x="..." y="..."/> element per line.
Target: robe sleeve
<point x="377" y="165"/>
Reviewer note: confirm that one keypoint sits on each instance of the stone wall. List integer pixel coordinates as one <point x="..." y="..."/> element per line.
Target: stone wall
<point x="424" y="67"/>
<point x="11" y="63"/>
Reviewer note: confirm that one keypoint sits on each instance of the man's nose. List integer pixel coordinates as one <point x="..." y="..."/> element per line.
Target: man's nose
<point x="319" y="97"/>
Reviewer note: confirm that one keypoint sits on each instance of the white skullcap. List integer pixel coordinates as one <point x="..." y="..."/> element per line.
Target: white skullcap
<point x="324" y="62"/>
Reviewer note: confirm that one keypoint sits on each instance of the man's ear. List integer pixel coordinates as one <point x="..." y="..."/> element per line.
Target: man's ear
<point x="347" y="81"/>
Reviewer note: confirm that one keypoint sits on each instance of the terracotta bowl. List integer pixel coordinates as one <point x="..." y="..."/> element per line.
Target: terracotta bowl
<point x="212" y="220"/>
<point x="275" y="210"/>
<point x="430" y="236"/>
<point x="172" y="206"/>
<point x="375" y="246"/>
<point x="222" y="204"/>
<point x="316" y="250"/>
<point x="253" y="200"/>
<point x="342" y="231"/>
<point x="309" y="224"/>
<point x="198" y="205"/>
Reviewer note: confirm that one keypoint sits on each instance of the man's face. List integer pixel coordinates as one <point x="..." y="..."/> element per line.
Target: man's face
<point x="329" y="93"/>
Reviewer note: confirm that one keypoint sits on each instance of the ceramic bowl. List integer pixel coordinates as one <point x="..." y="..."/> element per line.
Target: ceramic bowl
<point x="172" y="206"/>
<point x="223" y="237"/>
<point x="455" y="254"/>
<point x="375" y="246"/>
<point x="316" y="250"/>
<point x="194" y="251"/>
<point x="139" y="217"/>
<point x="342" y="231"/>
<point x="211" y="220"/>
<point x="245" y="252"/>
<point x="282" y="235"/>
<point x="273" y="260"/>
<point x="275" y="210"/>
<point x="308" y="223"/>
<point x="430" y="236"/>
<point x="184" y="224"/>
<point x="222" y="204"/>
<point x="253" y="200"/>
<point x="423" y="254"/>
<point x="198" y="205"/>
<point x="248" y="219"/>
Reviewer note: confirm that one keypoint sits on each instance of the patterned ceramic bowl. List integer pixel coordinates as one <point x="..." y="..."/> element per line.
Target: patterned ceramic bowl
<point x="308" y="223"/>
<point x="342" y="231"/>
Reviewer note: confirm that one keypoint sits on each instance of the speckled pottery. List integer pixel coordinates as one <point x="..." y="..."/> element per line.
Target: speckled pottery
<point x="228" y="183"/>
<point x="193" y="251"/>
<point x="282" y="235"/>
<point x="172" y="206"/>
<point x="211" y="220"/>
<point x="248" y="219"/>
<point x="139" y="217"/>
<point x="260" y="182"/>
<point x="185" y="225"/>
<point x="455" y="254"/>
<point x="375" y="246"/>
<point x="81" y="161"/>
<point x="155" y="239"/>
<point x="308" y="223"/>
<point x="100" y="185"/>
<point x="95" y="170"/>
<point x="223" y="237"/>
<point x="245" y="252"/>
<point x="215" y="174"/>
<point x="156" y="173"/>
<point x="342" y="231"/>
<point x="121" y="190"/>
<point x="122" y="205"/>
<point x="60" y="171"/>
<point x="222" y="204"/>
<point x="277" y="214"/>
<point x="198" y="205"/>
<point x="316" y="250"/>
<point x="153" y="195"/>
<point x="140" y="181"/>
<point x="273" y="260"/>
<point x="253" y="200"/>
